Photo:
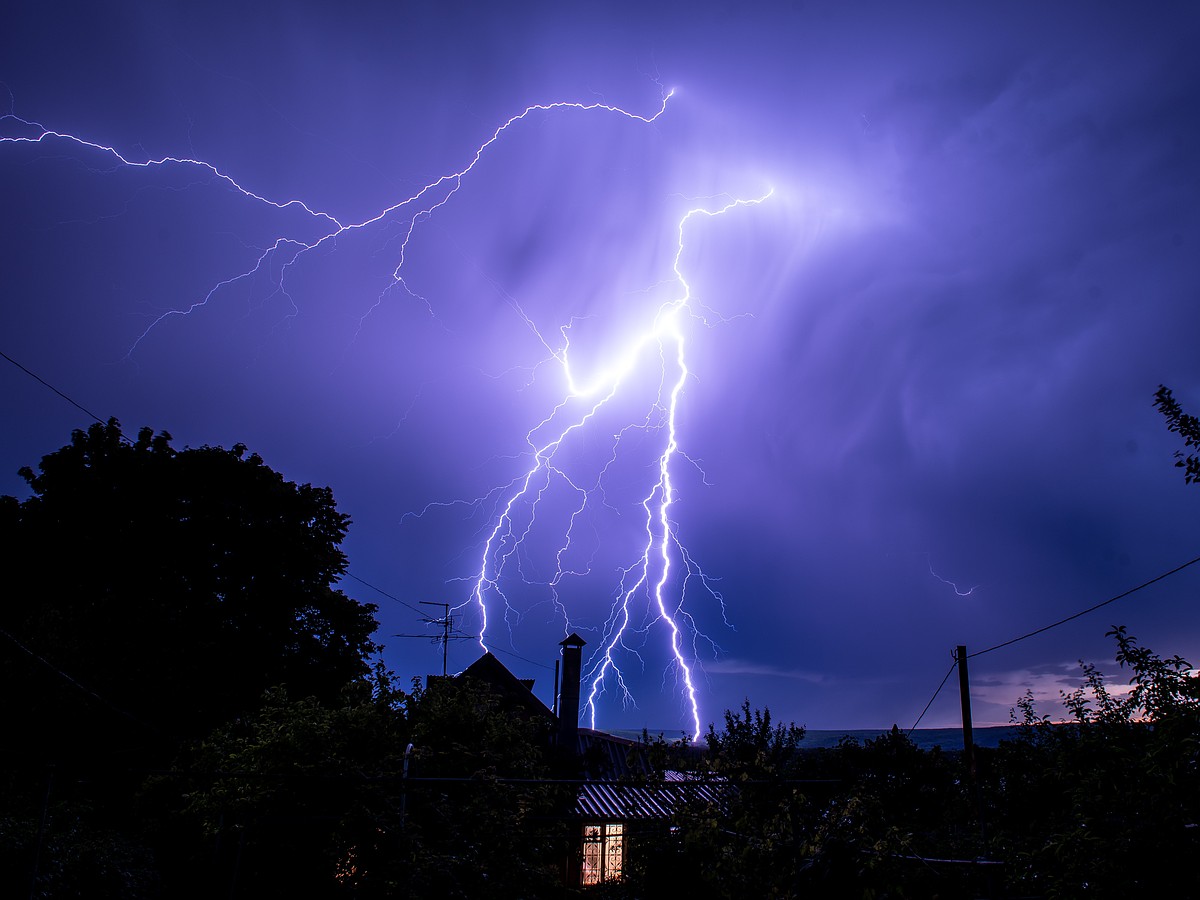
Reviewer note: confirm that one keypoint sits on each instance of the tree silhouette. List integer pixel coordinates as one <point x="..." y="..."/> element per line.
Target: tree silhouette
<point x="153" y="593"/>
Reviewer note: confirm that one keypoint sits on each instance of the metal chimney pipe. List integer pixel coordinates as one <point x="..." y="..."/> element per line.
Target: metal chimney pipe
<point x="568" y="692"/>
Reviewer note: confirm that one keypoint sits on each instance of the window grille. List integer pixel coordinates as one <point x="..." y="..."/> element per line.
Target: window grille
<point x="603" y="852"/>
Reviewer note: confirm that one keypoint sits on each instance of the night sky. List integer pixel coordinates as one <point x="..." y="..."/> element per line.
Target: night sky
<point x="918" y="401"/>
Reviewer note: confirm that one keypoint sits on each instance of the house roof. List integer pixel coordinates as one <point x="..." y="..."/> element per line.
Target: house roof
<point x="641" y="802"/>
<point x="510" y="688"/>
<point x="605" y="755"/>
<point x="612" y="765"/>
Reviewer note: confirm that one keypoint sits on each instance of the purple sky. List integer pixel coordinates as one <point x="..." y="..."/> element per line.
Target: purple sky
<point x="925" y="365"/>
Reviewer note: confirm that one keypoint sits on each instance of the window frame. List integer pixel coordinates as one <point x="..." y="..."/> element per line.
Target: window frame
<point x="606" y="862"/>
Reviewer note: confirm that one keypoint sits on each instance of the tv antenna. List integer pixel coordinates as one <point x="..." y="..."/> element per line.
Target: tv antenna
<point x="446" y="621"/>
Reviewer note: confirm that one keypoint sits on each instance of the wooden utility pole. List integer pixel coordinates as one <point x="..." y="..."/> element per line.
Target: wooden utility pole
<point x="964" y="693"/>
<point x="964" y="690"/>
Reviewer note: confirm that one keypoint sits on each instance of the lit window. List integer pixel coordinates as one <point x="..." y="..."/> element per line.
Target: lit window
<point x="603" y="852"/>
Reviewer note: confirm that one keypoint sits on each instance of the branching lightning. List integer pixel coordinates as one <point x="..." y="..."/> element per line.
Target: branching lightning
<point x="651" y="588"/>
<point x="414" y="209"/>
<point x="661" y="551"/>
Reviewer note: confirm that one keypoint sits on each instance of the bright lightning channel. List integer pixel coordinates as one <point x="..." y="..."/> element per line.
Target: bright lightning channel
<point x="661" y="551"/>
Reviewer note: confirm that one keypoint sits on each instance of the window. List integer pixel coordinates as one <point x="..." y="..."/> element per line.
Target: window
<point x="603" y="852"/>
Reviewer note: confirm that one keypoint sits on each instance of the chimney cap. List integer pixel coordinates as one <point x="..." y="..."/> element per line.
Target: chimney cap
<point x="572" y="640"/>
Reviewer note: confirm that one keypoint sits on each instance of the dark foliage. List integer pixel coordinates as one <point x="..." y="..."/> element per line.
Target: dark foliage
<point x="1186" y="426"/>
<point x="300" y="799"/>
<point x="479" y="822"/>
<point x="150" y="595"/>
<point x="743" y="837"/>
<point x="1107" y="805"/>
<point x="173" y="588"/>
<point x="421" y="793"/>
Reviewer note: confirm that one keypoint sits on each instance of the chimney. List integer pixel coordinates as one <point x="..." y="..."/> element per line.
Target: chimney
<point x="568" y="693"/>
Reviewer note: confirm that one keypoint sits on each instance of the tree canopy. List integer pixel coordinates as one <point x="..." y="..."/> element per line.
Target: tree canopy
<point x="170" y="586"/>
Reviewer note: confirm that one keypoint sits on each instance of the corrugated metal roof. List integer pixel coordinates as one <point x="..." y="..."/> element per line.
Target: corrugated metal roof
<point x="607" y="756"/>
<point x="605" y="800"/>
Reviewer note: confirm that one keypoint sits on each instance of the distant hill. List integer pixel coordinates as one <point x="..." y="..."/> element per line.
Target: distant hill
<point x="925" y="738"/>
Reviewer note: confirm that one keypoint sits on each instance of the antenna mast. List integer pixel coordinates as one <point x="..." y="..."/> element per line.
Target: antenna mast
<point x="445" y="621"/>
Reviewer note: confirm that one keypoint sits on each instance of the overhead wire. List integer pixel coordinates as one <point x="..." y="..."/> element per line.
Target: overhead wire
<point x="77" y="684"/>
<point x="1084" y="612"/>
<point x="380" y="590"/>
<point x="45" y="383"/>
<point x="520" y="657"/>
<point x="945" y="678"/>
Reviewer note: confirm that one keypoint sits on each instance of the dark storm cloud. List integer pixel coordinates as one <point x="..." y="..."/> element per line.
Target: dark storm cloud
<point x="932" y="353"/>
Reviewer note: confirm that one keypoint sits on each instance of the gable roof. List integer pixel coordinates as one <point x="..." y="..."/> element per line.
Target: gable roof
<point x="510" y="688"/>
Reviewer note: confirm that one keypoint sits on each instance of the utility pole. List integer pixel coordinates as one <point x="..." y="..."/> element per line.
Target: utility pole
<point x="964" y="693"/>
<point x="445" y="622"/>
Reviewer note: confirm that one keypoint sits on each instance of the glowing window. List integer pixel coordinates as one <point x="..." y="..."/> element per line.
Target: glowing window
<point x="603" y="852"/>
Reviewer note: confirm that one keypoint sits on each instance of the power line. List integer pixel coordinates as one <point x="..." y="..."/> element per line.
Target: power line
<point x="1084" y="612"/>
<point x="520" y="657"/>
<point x="380" y="590"/>
<point x="437" y="638"/>
<point x="953" y="666"/>
<point x="45" y="383"/>
<point x="78" y="685"/>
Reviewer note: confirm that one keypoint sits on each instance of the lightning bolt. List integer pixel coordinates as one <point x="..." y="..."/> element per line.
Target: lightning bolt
<point x="967" y="593"/>
<point x="650" y="575"/>
<point x="653" y="585"/>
